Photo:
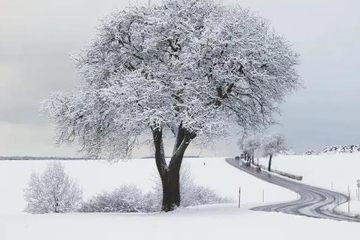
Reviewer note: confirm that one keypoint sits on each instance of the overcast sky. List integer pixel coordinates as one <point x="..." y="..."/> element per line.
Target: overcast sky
<point x="37" y="36"/>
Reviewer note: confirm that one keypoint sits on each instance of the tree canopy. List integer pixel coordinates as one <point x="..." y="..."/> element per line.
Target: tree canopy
<point x="273" y="144"/>
<point x="196" y="63"/>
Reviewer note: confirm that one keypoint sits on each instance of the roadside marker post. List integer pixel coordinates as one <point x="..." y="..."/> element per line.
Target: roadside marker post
<point x="263" y="196"/>
<point x="355" y="193"/>
<point x="358" y="191"/>
<point x="349" y="198"/>
<point x="349" y="203"/>
<point x="239" y="196"/>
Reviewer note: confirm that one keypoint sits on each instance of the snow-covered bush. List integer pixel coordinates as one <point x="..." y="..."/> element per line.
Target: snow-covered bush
<point x="204" y="195"/>
<point x="52" y="192"/>
<point x="123" y="199"/>
<point x="311" y="152"/>
<point x="127" y="198"/>
<point x="342" y="149"/>
<point x="151" y="202"/>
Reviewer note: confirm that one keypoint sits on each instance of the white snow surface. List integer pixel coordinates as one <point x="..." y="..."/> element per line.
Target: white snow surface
<point x="96" y="176"/>
<point x="203" y="222"/>
<point x="354" y="208"/>
<point x="207" y="222"/>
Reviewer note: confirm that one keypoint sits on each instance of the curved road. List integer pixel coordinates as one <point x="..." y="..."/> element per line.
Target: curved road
<point x="314" y="202"/>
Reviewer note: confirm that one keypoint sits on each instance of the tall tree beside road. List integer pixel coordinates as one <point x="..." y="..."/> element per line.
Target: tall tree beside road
<point x="197" y="68"/>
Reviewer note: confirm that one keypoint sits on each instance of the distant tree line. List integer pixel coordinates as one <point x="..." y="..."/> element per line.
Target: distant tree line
<point x="265" y="146"/>
<point x="335" y="149"/>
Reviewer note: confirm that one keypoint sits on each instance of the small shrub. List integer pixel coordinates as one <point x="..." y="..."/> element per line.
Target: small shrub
<point x="126" y="199"/>
<point x="52" y="192"/>
<point x="205" y="195"/>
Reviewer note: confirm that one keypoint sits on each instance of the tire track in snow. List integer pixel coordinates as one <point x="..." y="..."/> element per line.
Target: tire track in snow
<point x="314" y="202"/>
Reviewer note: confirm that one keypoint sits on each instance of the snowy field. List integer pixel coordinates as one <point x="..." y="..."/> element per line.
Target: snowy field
<point x="97" y="176"/>
<point x="210" y="223"/>
<point x="338" y="172"/>
<point x="204" y="222"/>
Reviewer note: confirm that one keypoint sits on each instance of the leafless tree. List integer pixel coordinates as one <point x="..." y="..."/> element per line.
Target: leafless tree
<point x="272" y="145"/>
<point x="197" y="68"/>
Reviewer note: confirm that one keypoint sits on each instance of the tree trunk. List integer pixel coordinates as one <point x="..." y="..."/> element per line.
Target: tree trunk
<point x="253" y="157"/>
<point x="269" y="166"/>
<point x="171" y="190"/>
<point x="170" y="175"/>
<point x="56" y="204"/>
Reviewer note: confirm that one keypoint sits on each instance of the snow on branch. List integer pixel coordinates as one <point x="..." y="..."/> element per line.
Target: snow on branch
<point x="196" y="63"/>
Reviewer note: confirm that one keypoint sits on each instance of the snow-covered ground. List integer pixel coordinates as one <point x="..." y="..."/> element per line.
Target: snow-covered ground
<point x="338" y="172"/>
<point x="210" y="223"/>
<point x="354" y="208"/>
<point x="204" y="222"/>
<point x="97" y="176"/>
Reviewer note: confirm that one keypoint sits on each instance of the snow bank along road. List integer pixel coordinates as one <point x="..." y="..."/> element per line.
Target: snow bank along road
<point x="314" y="202"/>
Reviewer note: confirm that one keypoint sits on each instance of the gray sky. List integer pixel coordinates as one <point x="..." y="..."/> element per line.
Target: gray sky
<point x="37" y="36"/>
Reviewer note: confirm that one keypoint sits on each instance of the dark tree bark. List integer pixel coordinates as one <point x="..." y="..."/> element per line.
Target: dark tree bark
<point x="253" y="157"/>
<point x="56" y="204"/>
<point x="269" y="166"/>
<point x="170" y="174"/>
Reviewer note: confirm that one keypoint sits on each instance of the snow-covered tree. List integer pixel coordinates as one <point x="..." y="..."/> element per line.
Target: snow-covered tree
<point x="311" y="152"/>
<point x="52" y="192"/>
<point x="273" y="144"/>
<point x="196" y="68"/>
<point x="341" y="149"/>
<point x="249" y="145"/>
